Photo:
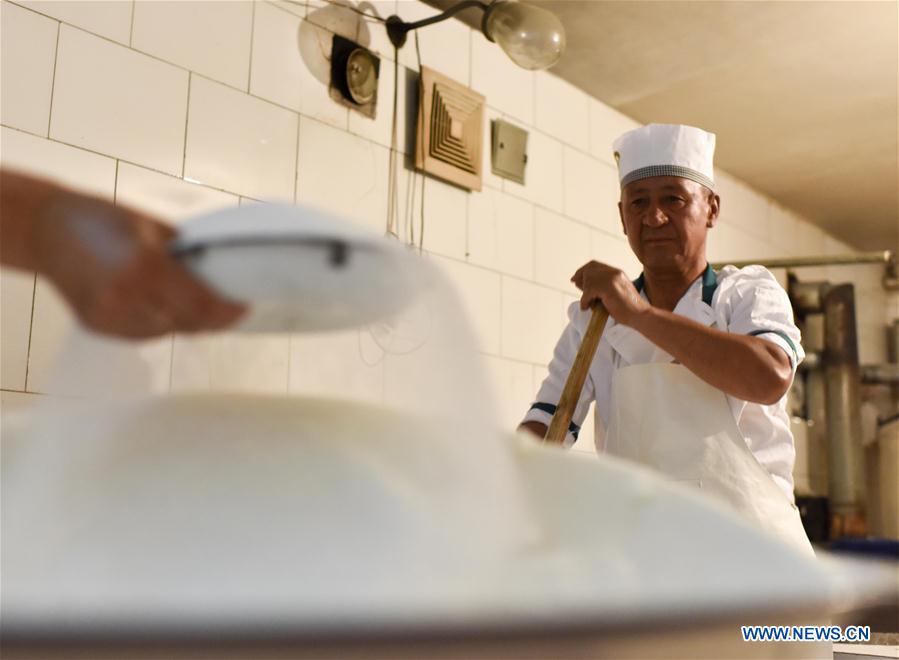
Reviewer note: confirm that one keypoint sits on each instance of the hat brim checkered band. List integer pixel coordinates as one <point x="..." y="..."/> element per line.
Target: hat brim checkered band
<point x="668" y="170"/>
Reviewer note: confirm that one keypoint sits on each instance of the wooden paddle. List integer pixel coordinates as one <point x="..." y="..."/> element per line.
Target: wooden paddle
<point x="576" y="377"/>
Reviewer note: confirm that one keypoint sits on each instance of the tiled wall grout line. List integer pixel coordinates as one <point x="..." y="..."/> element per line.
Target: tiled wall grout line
<point x="564" y="196"/>
<point x="123" y="160"/>
<point x="131" y="31"/>
<point x="171" y="363"/>
<point x="502" y="292"/>
<point x="99" y="36"/>
<point x="115" y="182"/>
<point x="494" y="271"/>
<point x="30" y="331"/>
<point x="186" y="126"/>
<point x="252" y="40"/>
<point x="534" y="241"/>
<point x="296" y="160"/>
<point x="12" y="391"/>
<point x="53" y="80"/>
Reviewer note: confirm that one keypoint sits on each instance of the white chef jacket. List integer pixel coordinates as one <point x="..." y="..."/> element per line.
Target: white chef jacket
<point x="747" y="301"/>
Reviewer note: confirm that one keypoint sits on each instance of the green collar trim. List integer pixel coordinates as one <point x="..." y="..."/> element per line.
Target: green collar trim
<point x="709" y="284"/>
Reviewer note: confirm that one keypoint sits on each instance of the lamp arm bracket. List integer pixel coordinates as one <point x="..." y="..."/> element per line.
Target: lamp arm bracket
<point x="397" y="28"/>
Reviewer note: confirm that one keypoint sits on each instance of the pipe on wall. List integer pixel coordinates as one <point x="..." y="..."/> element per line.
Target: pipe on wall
<point x="842" y="375"/>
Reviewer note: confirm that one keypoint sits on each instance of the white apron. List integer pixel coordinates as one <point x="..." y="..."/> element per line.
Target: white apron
<point x="665" y="417"/>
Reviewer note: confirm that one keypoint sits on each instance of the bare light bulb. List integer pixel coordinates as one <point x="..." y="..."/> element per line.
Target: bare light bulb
<point x="532" y="37"/>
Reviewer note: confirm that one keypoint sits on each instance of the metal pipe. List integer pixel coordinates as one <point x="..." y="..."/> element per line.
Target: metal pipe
<point x="807" y="297"/>
<point x="843" y="410"/>
<point x="880" y="374"/>
<point x="877" y="257"/>
<point x="893" y="350"/>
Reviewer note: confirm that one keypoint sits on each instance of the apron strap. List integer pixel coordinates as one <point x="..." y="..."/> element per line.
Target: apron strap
<point x="709" y="285"/>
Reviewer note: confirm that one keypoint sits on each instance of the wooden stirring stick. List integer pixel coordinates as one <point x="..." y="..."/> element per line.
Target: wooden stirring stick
<point x="576" y="377"/>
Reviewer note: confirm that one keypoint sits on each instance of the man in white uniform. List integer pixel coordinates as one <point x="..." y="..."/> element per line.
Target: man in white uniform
<point x="692" y="371"/>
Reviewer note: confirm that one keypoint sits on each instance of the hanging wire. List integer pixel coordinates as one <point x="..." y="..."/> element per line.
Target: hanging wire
<point x="421" y="100"/>
<point x="391" y="174"/>
<point x="351" y="8"/>
<point x="410" y="205"/>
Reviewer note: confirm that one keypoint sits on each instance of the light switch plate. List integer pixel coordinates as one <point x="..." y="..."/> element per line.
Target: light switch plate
<point x="509" y="150"/>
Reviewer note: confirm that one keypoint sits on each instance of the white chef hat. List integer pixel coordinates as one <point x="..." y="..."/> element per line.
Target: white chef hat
<point x="666" y="150"/>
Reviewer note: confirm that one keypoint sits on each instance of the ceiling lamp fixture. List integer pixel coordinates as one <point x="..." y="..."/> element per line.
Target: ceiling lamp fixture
<point x="532" y="37"/>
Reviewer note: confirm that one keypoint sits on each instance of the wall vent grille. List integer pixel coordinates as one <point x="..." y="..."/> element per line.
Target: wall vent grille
<point x="451" y="145"/>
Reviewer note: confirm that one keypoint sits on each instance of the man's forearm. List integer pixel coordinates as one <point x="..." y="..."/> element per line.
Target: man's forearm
<point x="745" y="367"/>
<point x="537" y="428"/>
<point x="22" y="203"/>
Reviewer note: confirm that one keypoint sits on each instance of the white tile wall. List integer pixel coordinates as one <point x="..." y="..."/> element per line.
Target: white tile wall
<point x="562" y="110"/>
<point x="606" y="124"/>
<point x="515" y="97"/>
<point x="479" y="292"/>
<point x="231" y="362"/>
<point x="513" y="388"/>
<point x="561" y="247"/>
<point x="371" y="33"/>
<point x="444" y="46"/>
<point x="240" y="143"/>
<point x="728" y="242"/>
<point x="333" y="17"/>
<point x="741" y="206"/>
<point x="613" y="249"/>
<point x="344" y="364"/>
<point x="14" y="403"/>
<point x="167" y="197"/>
<point x="501" y="233"/>
<point x="786" y="227"/>
<point x="409" y="188"/>
<point x="295" y="7"/>
<point x="63" y="360"/>
<point x="343" y="173"/>
<point x="107" y="19"/>
<point x="16" y="292"/>
<point x="100" y="112"/>
<point x="543" y="173"/>
<point x="608" y="192"/>
<point x="27" y="58"/>
<point x="591" y="190"/>
<point x="532" y="320"/>
<point x="814" y="239"/>
<point x="446" y="218"/>
<point x="15" y="420"/>
<point x="291" y="65"/>
<point x="209" y="37"/>
<point x="70" y="166"/>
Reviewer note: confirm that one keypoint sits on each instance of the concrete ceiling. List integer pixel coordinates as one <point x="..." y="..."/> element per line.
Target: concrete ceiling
<point x="802" y="94"/>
